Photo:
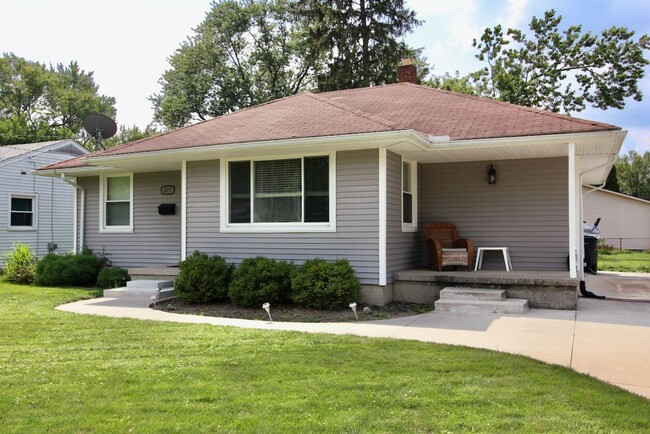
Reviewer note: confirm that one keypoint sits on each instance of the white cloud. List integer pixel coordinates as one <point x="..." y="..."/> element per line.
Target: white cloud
<point x="515" y="14"/>
<point x="637" y="139"/>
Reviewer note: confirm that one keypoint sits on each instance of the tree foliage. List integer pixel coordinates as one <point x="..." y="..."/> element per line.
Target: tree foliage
<point x="633" y="173"/>
<point x="128" y="134"/>
<point x="562" y="70"/>
<point x="243" y="53"/>
<point x="455" y="83"/>
<point x="40" y="103"/>
<point x="358" y="40"/>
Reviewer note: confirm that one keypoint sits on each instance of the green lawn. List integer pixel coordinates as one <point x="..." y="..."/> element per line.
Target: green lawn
<point x="61" y="372"/>
<point x="625" y="260"/>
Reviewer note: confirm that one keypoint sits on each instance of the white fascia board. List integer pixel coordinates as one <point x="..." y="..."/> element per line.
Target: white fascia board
<point x="615" y="136"/>
<point x="368" y="140"/>
<point x="78" y="171"/>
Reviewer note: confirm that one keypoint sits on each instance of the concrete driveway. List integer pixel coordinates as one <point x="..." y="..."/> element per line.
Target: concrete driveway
<point x="620" y="286"/>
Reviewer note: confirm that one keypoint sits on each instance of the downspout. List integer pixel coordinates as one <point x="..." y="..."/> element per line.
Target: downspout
<point x="82" y="210"/>
<point x="581" y="270"/>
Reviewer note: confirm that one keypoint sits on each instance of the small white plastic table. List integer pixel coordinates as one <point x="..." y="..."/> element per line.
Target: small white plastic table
<point x="504" y="250"/>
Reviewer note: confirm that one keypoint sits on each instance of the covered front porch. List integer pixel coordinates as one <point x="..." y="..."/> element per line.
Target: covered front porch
<point x="543" y="289"/>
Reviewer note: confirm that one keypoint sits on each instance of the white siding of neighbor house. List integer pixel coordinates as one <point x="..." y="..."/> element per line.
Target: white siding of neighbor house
<point x="54" y="204"/>
<point x="403" y="249"/>
<point x="527" y="210"/>
<point x="156" y="239"/>
<point x="357" y="217"/>
<point x="624" y="221"/>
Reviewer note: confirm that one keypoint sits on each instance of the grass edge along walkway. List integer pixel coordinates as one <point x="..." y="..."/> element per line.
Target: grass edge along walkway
<point x="76" y="373"/>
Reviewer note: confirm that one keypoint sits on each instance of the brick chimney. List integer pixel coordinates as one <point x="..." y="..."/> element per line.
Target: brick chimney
<point x="406" y="72"/>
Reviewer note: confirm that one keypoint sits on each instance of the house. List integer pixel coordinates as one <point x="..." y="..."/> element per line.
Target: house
<point x="625" y="220"/>
<point x="35" y="210"/>
<point x="349" y="174"/>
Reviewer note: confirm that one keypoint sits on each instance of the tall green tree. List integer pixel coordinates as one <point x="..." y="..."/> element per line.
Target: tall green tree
<point x="562" y="70"/>
<point x="358" y="41"/>
<point x="633" y="172"/>
<point x="40" y="103"/>
<point x="244" y="53"/>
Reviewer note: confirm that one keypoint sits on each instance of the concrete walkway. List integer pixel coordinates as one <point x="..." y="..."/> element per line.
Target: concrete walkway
<point x="609" y="340"/>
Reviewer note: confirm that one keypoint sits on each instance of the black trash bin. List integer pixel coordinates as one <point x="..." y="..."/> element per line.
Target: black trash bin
<point x="591" y="235"/>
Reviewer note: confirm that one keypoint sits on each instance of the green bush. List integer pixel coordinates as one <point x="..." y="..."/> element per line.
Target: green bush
<point x="20" y="264"/>
<point x="113" y="277"/>
<point x="319" y="284"/>
<point x="204" y="278"/>
<point x="261" y="280"/>
<point x="69" y="270"/>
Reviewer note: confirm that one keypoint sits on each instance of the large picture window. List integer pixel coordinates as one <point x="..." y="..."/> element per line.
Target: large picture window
<point x="282" y="192"/>
<point x="22" y="210"/>
<point x="117" y="202"/>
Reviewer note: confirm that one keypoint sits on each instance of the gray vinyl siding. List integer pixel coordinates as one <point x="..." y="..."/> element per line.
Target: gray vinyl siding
<point x="156" y="239"/>
<point x="403" y="249"/>
<point x="527" y="210"/>
<point x="357" y="217"/>
<point x="54" y="204"/>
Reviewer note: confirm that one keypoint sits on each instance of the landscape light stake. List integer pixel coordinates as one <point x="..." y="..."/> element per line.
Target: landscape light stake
<point x="353" y="306"/>
<point x="267" y="308"/>
<point x="155" y="299"/>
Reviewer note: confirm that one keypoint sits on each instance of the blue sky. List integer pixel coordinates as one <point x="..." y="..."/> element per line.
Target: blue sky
<point x="126" y="42"/>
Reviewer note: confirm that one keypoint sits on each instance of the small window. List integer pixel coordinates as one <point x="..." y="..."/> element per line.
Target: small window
<point x="409" y="195"/>
<point x="117" y="202"/>
<point x="22" y="212"/>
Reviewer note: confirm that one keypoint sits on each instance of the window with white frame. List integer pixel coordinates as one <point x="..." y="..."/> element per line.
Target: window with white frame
<point x="22" y="212"/>
<point x="289" y="193"/>
<point x="409" y="196"/>
<point x="117" y="202"/>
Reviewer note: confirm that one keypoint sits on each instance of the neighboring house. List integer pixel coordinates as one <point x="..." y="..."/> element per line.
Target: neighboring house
<point x="35" y="210"/>
<point x="349" y="174"/>
<point x="625" y="220"/>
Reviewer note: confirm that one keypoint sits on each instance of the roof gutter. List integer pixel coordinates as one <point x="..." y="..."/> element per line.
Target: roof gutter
<point x="498" y="142"/>
<point x="381" y="139"/>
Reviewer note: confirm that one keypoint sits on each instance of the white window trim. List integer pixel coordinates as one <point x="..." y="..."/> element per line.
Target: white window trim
<point x="224" y="211"/>
<point x="409" y="227"/>
<point x="102" y="208"/>
<point x="34" y="198"/>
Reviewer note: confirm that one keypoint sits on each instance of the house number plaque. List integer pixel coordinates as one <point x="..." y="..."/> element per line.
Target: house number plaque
<point x="167" y="190"/>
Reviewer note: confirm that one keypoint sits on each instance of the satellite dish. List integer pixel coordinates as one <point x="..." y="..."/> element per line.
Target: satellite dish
<point x="100" y="127"/>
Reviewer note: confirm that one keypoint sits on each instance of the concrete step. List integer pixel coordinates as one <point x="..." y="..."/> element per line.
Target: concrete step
<point x="460" y="293"/>
<point x="140" y="293"/>
<point x="510" y="305"/>
<point x="155" y="284"/>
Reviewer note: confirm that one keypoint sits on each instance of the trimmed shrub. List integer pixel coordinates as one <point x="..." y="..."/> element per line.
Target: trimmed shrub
<point x="69" y="270"/>
<point x="261" y="280"/>
<point x="113" y="277"/>
<point x="20" y="264"/>
<point x="319" y="284"/>
<point x="204" y="278"/>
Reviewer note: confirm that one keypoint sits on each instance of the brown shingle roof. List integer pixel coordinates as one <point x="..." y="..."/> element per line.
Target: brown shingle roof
<point x="394" y="107"/>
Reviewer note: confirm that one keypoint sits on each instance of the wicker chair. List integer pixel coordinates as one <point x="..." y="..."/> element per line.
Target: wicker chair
<point x="445" y="248"/>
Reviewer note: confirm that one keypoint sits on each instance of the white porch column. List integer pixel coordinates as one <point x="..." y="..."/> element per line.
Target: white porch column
<point x="75" y="223"/>
<point x="382" y="217"/>
<point x="183" y="210"/>
<point x="575" y="224"/>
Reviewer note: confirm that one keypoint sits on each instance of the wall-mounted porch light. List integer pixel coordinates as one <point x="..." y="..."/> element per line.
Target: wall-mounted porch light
<point x="492" y="175"/>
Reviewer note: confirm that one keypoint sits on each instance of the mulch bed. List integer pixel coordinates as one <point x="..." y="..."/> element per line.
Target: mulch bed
<point x="292" y="313"/>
